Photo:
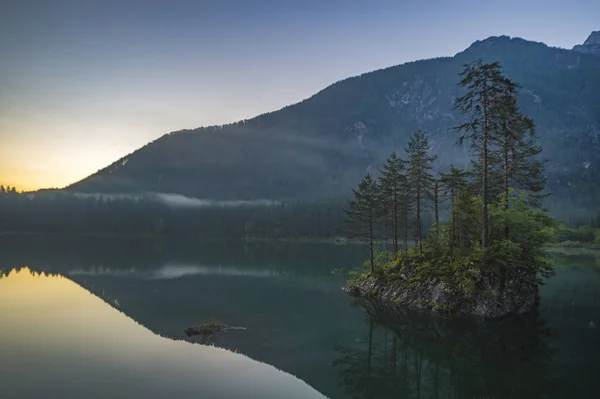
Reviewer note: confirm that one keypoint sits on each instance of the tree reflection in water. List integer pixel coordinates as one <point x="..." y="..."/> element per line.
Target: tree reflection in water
<point x="410" y="355"/>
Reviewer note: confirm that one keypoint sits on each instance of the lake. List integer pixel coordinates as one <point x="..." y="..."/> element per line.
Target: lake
<point x="84" y="318"/>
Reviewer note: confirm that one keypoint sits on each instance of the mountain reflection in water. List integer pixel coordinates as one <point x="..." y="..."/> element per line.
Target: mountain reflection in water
<point x="58" y="340"/>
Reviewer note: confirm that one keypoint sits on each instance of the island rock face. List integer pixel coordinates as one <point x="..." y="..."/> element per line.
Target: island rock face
<point x="591" y="45"/>
<point x="487" y="299"/>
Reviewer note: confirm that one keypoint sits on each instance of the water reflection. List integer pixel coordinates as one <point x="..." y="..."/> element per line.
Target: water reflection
<point x="298" y="320"/>
<point x="58" y="340"/>
<point x="407" y="355"/>
<point x="123" y="255"/>
<point x="284" y="295"/>
<point x="172" y="270"/>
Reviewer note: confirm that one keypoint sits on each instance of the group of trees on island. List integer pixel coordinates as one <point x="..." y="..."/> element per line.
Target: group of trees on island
<point x="389" y="203"/>
<point x="495" y="220"/>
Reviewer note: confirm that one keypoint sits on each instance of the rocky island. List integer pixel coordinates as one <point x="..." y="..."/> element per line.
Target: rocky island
<point x="487" y="257"/>
<point x="439" y="295"/>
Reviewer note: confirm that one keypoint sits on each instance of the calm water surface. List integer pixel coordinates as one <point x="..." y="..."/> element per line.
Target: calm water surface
<point x="106" y="318"/>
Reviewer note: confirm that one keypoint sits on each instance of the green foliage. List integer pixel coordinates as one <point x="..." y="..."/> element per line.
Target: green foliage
<point x="382" y="258"/>
<point x="362" y="213"/>
<point x="582" y="234"/>
<point x="522" y="254"/>
<point x="394" y="199"/>
<point x="420" y="176"/>
<point x="520" y="236"/>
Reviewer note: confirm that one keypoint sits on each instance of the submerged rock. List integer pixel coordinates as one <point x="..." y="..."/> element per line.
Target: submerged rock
<point x="520" y="295"/>
<point x="206" y="329"/>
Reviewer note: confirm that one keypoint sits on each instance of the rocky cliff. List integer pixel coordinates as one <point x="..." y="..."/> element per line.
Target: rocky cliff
<point x="591" y="45"/>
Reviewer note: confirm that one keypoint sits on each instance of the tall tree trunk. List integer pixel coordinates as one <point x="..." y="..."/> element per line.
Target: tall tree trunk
<point x="506" y="182"/>
<point x="395" y="222"/>
<point x="435" y="204"/>
<point x="452" y="218"/>
<point x="418" y="227"/>
<point x="406" y="228"/>
<point x="484" y="170"/>
<point x="506" y="192"/>
<point x="461" y="236"/>
<point x="371" y="257"/>
<point x="506" y="188"/>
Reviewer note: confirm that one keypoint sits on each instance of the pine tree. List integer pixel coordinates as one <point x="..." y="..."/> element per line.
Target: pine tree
<point x="362" y="213"/>
<point x="420" y="177"/>
<point x="519" y="166"/>
<point x="483" y="104"/>
<point x="523" y="167"/>
<point x="393" y="196"/>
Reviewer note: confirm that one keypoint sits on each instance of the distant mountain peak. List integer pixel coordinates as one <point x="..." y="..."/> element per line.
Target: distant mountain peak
<point x="494" y="43"/>
<point x="491" y="41"/>
<point x="591" y="45"/>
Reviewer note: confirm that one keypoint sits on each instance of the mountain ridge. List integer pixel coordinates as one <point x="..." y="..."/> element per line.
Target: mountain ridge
<point x="591" y="45"/>
<point x="321" y="145"/>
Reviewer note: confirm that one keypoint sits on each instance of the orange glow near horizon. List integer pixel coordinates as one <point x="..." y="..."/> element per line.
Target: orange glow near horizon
<point x="27" y="180"/>
<point x="29" y="162"/>
<point x="27" y="176"/>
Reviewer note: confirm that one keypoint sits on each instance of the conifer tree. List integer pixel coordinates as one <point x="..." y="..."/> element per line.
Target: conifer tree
<point x="362" y="213"/>
<point x="522" y="168"/>
<point x="420" y="177"/>
<point x="514" y="156"/>
<point x="483" y="105"/>
<point x="393" y="196"/>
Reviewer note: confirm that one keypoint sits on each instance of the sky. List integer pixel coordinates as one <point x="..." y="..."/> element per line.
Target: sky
<point x="85" y="82"/>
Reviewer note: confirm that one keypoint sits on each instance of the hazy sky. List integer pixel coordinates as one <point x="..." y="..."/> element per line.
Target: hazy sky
<point x="85" y="82"/>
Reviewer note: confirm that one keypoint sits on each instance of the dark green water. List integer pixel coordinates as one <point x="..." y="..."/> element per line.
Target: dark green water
<point x="106" y="319"/>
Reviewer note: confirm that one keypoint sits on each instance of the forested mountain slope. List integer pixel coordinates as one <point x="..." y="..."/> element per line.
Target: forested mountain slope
<point x="321" y="146"/>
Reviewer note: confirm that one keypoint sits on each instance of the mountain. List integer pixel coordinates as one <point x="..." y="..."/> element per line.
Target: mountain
<point x="321" y="146"/>
<point x="591" y="45"/>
